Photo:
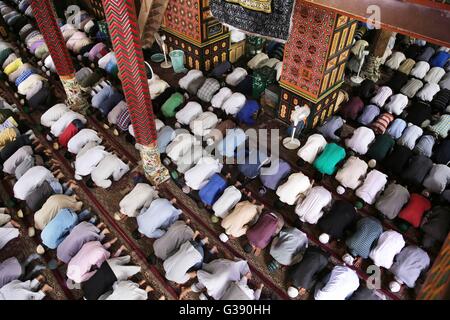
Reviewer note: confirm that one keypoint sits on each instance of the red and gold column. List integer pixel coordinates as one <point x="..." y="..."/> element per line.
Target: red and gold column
<point x="314" y="61"/>
<point x="124" y="32"/>
<point x="189" y="26"/>
<point x="46" y="20"/>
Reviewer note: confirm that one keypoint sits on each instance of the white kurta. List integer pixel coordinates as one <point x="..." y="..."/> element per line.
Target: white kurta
<point x="189" y="112"/>
<point x="217" y="275"/>
<point x="141" y="196"/>
<point x="52" y="114"/>
<point x="296" y="184"/>
<point x="230" y="197"/>
<point x="125" y="290"/>
<point x="219" y="98"/>
<point x="87" y="161"/>
<point x="342" y="283"/>
<point x="109" y="167"/>
<point x="199" y="175"/>
<point x="310" y="209"/>
<point x="352" y="173"/>
<point x="58" y="127"/>
<point x="372" y="186"/>
<point x="234" y="103"/>
<point x="389" y="244"/>
<point x="180" y="145"/>
<point x="80" y="139"/>
<point x="177" y="266"/>
<point x="313" y="146"/>
<point x="31" y="179"/>
<point x="202" y="125"/>
<point x="360" y="140"/>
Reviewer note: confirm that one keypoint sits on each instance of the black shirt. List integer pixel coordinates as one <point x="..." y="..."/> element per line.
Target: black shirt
<point x="304" y="274"/>
<point x="342" y="214"/>
<point x="417" y="169"/>
<point x="100" y="283"/>
<point x="397" y="159"/>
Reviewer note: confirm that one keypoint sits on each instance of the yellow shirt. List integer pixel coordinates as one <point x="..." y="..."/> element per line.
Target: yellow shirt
<point x="7" y="135"/>
<point x="13" y="66"/>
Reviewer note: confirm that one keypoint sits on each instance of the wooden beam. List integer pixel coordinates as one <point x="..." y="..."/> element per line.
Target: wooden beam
<point x="412" y="19"/>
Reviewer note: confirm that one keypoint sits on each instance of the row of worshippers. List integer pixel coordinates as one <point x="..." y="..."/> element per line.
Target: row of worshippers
<point x="185" y="255"/>
<point x="63" y="227"/>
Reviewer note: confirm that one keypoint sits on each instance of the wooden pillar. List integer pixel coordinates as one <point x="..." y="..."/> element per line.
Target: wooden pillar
<point x="314" y="62"/>
<point x="124" y="31"/>
<point x="46" y="20"/>
<point x="371" y="68"/>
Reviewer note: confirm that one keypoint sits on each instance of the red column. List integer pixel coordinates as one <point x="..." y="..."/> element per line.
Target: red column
<point x="46" y="20"/>
<point x="124" y="32"/>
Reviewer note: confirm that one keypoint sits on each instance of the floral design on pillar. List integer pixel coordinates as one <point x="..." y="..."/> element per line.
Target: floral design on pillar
<point x="124" y="31"/>
<point x="75" y="98"/>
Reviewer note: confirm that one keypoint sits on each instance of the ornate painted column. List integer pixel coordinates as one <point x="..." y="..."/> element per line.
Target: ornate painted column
<point x="46" y="20"/>
<point x="124" y="31"/>
<point x="150" y="18"/>
<point x="314" y="62"/>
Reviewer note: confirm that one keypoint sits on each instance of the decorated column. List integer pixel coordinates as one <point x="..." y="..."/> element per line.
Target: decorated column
<point x="314" y="61"/>
<point x="46" y="20"/>
<point x="150" y="18"/>
<point x="124" y="32"/>
<point x="371" y="68"/>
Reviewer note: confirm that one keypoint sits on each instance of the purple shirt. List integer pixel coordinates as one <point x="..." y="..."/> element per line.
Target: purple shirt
<point x="82" y="233"/>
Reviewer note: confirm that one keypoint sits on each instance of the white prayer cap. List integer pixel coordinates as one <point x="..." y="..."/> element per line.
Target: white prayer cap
<point x="223" y="237"/>
<point x="324" y="238"/>
<point x="202" y="296"/>
<point x="394" y="286"/>
<point x="426" y="193"/>
<point x="340" y="190"/>
<point x="292" y="292"/>
<point x="195" y="288"/>
<point x="348" y="259"/>
<point x="372" y="163"/>
<point x="177" y="125"/>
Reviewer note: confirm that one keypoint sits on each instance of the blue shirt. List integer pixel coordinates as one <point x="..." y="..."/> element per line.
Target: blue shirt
<point x="248" y="111"/>
<point x="154" y="220"/>
<point x="396" y="128"/>
<point x="213" y="189"/>
<point x="253" y="161"/>
<point x="165" y="136"/>
<point x="58" y="228"/>
<point x="369" y="114"/>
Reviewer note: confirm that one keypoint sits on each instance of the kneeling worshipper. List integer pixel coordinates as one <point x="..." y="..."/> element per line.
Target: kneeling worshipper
<point x="25" y="290"/>
<point x="32" y="179"/>
<point x="435" y="226"/>
<point x="396" y="161"/>
<point x="111" y="271"/>
<point x="287" y="248"/>
<point x="89" y="258"/>
<point x="383" y="94"/>
<point x="276" y="172"/>
<point x="177" y="234"/>
<point x="310" y="209"/>
<point x="352" y="173"/>
<point x="389" y="244"/>
<point x="140" y="197"/>
<point x="109" y="167"/>
<point x="82" y="138"/>
<point x="392" y="200"/>
<point x="239" y="290"/>
<point x="9" y="229"/>
<point x="165" y="136"/>
<point x="216" y="276"/>
<point x="437" y="179"/>
<point x="59" y="125"/>
<point x="229" y="198"/>
<point x="233" y="140"/>
<point x="212" y="190"/>
<point x="239" y="220"/>
<point x="183" y="264"/>
<point x="442" y="152"/>
<point x="87" y="161"/>
<point x="169" y="108"/>
<point x="198" y="176"/>
<point x="204" y="123"/>
<point x="157" y="218"/>
<point x="381" y="147"/>
<point x="313" y="146"/>
<point x="11" y="164"/>
<point x="381" y="124"/>
<point x="82" y="233"/>
<point x="220" y="97"/>
<point x="182" y="143"/>
<point x="59" y="227"/>
<point x="234" y="103"/>
<point x="360" y="140"/>
<point x="237" y="76"/>
<point x="359" y="244"/>
<point x="352" y="109"/>
<point x="188" y="113"/>
<point x="408" y="266"/>
<point x="52" y="206"/>
<point x="250" y="162"/>
<point x="304" y="275"/>
<point x="410" y="136"/>
<point x="219" y="132"/>
<point x="373" y="185"/>
<point x="442" y="127"/>
<point x="190" y="76"/>
<point x="296" y="185"/>
<point x="416" y="170"/>
<point x="333" y="225"/>
<point x="415" y="209"/>
<point x="263" y="231"/>
<point x="428" y="92"/>
<point x="330" y="157"/>
<point x="126" y="290"/>
<point x="366" y="294"/>
<point x="208" y="89"/>
<point x="341" y="283"/>
<point x="369" y="114"/>
<point x="11" y="269"/>
<point x="331" y="127"/>
<point x="396" y="128"/>
<point x="397" y="103"/>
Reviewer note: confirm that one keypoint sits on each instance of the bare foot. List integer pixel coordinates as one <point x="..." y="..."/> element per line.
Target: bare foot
<point x="105" y="231"/>
<point x="15" y="224"/>
<point x="214" y="250"/>
<point x="196" y="234"/>
<point x="40" y="278"/>
<point x="149" y="289"/>
<point x="162" y="297"/>
<point x="173" y="200"/>
<point x="184" y="292"/>
<point x="101" y="225"/>
<point x="46" y="289"/>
